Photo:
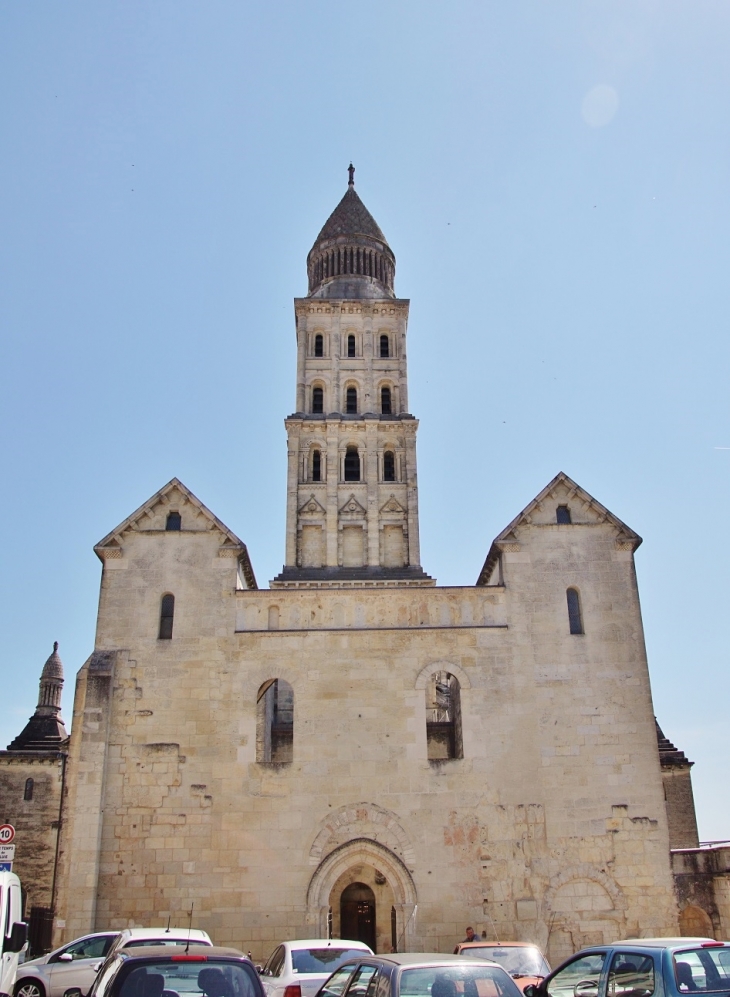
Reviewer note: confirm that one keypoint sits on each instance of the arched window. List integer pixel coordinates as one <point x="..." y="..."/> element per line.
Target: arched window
<point x="388" y="466"/>
<point x="167" y="613"/>
<point x="174" y="521"/>
<point x="275" y="722"/>
<point x="28" y="792"/>
<point x="317" y="400"/>
<point x="351" y="400"/>
<point x="575" y="617"/>
<point x="562" y="515"/>
<point x="319" y="345"/>
<point x="316" y="466"/>
<point x="352" y="464"/>
<point x="351" y="346"/>
<point x="384" y="346"/>
<point x="385" y="401"/>
<point x="443" y="717"/>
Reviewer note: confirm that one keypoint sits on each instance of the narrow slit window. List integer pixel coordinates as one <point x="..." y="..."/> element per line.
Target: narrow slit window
<point x="385" y="406"/>
<point x="28" y="792"/>
<point x="388" y="466"/>
<point x="351" y="346"/>
<point x="562" y="515"/>
<point x="384" y="346"/>
<point x="351" y="401"/>
<point x="319" y="345"/>
<point x="352" y="464"/>
<point x="316" y="466"/>
<point x="167" y="614"/>
<point x="174" y="521"/>
<point x="575" y="616"/>
<point x="317" y="400"/>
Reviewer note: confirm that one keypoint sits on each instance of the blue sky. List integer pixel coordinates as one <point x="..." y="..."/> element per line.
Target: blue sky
<point x="554" y="180"/>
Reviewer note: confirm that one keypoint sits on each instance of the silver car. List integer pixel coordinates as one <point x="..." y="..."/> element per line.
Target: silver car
<point x="72" y="965"/>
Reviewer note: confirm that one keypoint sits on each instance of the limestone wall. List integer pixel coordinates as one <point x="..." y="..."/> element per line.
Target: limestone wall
<point x="35" y="820"/>
<point x="551" y="824"/>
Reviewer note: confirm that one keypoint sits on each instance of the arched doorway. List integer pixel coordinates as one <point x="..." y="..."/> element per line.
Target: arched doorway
<point x="357" y="914"/>
<point x="695" y="923"/>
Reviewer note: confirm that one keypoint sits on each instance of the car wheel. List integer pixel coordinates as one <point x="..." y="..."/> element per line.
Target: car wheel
<point x="29" y="988"/>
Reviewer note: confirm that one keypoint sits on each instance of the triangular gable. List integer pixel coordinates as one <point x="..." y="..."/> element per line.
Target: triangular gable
<point x="561" y="489"/>
<point x="312" y="508"/>
<point x="353" y="508"/>
<point x="233" y="546"/>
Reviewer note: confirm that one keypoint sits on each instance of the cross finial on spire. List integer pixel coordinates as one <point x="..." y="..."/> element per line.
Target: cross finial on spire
<point x="351" y="171"/>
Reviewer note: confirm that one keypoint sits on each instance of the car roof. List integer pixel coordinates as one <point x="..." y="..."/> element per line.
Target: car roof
<point x="434" y="959"/>
<point x="161" y="933"/>
<point x="665" y="943"/>
<point x="497" y="945"/>
<point x="157" y="952"/>
<point x="325" y="943"/>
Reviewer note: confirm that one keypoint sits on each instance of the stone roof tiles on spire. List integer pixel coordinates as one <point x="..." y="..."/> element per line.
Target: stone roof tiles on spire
<point x="45" y="731"/>
<point x="351" y="257"/>
<point x="53" y="668"/>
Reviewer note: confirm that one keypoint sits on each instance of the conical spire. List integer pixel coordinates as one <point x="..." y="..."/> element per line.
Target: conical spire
<point x="45" y="730"/>
<point x="351" y="257"/>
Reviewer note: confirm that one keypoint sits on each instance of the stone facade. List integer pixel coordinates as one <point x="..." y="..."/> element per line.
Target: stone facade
<point x="481" y="755"/>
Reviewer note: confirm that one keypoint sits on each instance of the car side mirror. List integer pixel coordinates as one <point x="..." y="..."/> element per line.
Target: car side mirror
<point x="65" y="957"/>
<point x="530" y="990"/>
<point x="72" y="992"/>
<point x="259" y="970"/>
<point x="18" y="937"/>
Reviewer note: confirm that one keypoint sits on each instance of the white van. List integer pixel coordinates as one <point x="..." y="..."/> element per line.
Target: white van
<point x="13" y="930"/>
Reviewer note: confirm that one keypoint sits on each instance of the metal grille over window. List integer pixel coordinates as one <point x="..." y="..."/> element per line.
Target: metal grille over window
<point x="317" y="400"/>
<point x="319" y="345"/>
<point x="351" y="401"/>
<point x="388" y="466"/>
<point x="443" y="717"/>
<point x="575" y="617"/>
<point x="352" y="464"/>
<point x="385" y="401"/>
<point x="275" y="722"/>
<point x="384" y="346"/>
<point x="167" y="613"/>
<point x="562" y="515"/>
<point x="174" y="521"/>
<point x="351" y="346"/>
<point x="316" y="466"/>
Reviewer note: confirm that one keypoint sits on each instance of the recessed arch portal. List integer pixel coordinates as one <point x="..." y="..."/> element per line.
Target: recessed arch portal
<point x="357" y="853"/>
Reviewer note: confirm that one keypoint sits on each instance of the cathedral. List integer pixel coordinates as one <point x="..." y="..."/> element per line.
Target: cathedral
<point x="356" y="751"/>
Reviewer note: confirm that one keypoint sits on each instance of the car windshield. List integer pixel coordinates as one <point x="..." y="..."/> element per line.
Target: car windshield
<point x="195" y="976"/>
<point x="321" y="960"/>
<point x="457" y="981"/>
<point x="702" y="969"/>
<point x="518" y="960"/>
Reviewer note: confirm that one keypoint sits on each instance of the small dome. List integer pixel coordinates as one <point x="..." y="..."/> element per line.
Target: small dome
<point x="53" y="668"/>
<point x="351" y="257"/>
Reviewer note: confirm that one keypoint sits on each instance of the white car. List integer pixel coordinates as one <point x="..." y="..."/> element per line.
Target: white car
<point x="136" y="937"/>
<point x="72" y="965"/>
<point x="299" y="968"/>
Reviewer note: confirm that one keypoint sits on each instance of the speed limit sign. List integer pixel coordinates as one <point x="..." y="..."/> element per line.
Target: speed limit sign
<point x="7" y="833"/>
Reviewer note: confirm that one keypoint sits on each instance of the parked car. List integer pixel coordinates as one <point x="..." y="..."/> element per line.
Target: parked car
<point x="419" y="974"/>
<point x="158" y="936"/>
<point x="641" y="967"/>
<point x="298" y="969"/>
<point x="174" y="971"/>
<point x="523" y="961"/>
<point x="72" y="965"/>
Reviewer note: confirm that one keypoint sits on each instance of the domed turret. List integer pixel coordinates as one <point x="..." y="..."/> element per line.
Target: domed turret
<point x="351" y="257"/>
<point x="45" y="730"/>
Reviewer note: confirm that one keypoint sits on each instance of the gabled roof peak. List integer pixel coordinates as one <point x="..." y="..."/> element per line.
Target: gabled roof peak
<point x="561" y="489"/>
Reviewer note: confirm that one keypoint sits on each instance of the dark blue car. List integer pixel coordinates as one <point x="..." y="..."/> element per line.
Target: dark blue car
<point x="642" y="967"/>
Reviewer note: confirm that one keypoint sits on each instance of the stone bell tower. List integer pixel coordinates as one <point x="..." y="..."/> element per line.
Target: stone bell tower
<point x="352" y="486"/>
